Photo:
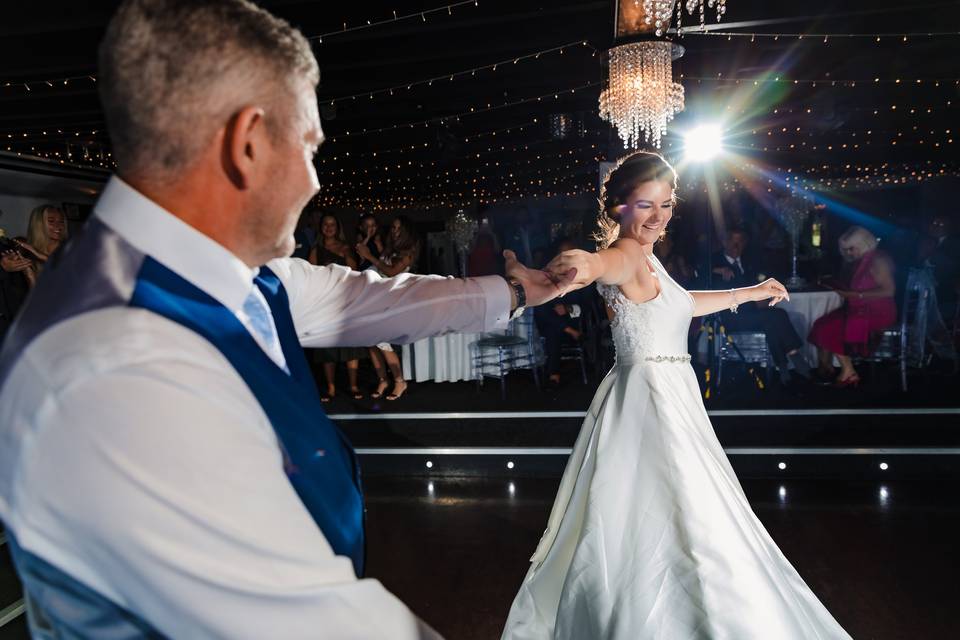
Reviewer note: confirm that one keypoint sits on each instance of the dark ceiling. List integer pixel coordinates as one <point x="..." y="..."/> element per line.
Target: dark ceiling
<point x="454" y="141"/>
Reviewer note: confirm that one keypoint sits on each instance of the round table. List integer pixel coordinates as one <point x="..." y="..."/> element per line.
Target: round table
<point x="803" y="309"/>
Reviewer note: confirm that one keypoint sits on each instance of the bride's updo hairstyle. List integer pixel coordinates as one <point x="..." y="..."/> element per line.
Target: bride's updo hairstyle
<point x="631" y="171"/>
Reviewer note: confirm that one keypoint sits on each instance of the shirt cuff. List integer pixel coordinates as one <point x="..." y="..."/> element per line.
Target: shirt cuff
<point x="497" y="310"/>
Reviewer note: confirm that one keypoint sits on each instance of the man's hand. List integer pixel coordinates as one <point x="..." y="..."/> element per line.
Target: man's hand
<point x="539" y="286"/>
<point x="724" y="272"/>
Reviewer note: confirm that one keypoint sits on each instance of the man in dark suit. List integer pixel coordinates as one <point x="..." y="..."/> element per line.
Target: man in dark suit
<point x="731" y="269"/>
<point x="939" y="248"/>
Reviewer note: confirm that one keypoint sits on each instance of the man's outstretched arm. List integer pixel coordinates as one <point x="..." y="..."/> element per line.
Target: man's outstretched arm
<point x="334" y="306"/>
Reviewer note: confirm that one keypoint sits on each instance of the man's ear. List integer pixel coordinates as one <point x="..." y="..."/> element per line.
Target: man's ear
<point x="243" y="140"/>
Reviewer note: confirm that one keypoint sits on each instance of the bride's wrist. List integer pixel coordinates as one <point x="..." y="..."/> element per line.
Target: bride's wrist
<point x="747" y="294"/>
<point x="596" y="266"/>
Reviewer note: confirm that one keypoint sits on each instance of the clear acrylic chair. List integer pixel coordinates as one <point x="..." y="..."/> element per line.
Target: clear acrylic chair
<point x="496" y="355"/>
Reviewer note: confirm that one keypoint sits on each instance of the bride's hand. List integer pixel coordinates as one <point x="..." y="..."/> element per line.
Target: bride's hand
<point x="771" y="290"/>
<point x="586" y="264"/>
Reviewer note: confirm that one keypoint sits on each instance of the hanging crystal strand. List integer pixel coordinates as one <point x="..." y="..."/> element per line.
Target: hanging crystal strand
<point x="641" y="97"/>
<point x="700" y="6"/>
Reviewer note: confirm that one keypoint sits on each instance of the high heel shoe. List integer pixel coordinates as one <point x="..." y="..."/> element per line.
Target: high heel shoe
<point x="381" y="389"/>
<point x="849" y="381"/>
<point x="395" y="395"/>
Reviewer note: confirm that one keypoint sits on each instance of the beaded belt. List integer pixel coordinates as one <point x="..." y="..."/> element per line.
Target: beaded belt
<point x="636" y="359"/>
<point x="684" y="358"/>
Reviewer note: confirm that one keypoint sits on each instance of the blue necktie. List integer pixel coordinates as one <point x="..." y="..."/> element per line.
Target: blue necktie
<point x="261" y="322"/>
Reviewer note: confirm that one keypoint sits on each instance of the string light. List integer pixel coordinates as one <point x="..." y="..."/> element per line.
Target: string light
<point x="461" y="170"/>
<point x="902" y="37"/>
<point x="827" y="81"/>
<point x="52" y="83"/>
<point x="460" y="200"/>
<point x="555" y="95"/>
<point x="337" y="160"/>
<point x="421" y="146"/>
<point x="87" y="162"/>
<point x="832" y="177"/>
<point x="388" y="91"/>
<point x="370" y="24"/>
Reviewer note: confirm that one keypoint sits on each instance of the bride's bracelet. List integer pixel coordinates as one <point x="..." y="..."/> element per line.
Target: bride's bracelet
<point x="733" y="301"/>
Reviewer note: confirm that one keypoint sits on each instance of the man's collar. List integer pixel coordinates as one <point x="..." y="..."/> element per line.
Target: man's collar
<point x="160" y="234"/>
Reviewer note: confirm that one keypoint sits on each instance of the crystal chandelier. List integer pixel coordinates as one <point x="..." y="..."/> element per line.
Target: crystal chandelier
<point x="641" y="96"/>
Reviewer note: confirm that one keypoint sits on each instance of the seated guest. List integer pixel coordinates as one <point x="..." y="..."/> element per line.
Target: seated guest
<point x="559" y="323"/>
<point x="332" y="248"/>
<point x="868" y="287"/>
<point x="735" y="270"/>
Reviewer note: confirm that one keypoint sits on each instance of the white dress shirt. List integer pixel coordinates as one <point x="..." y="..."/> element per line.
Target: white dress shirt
<point x="735" y="262"/>
<point x="134" y="458"/>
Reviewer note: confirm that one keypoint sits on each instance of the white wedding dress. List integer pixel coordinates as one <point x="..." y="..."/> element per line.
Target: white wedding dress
<point x="651" y="536"/>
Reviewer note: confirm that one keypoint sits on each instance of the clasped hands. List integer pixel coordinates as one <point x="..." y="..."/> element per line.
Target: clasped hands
<point x="539" y="286"/>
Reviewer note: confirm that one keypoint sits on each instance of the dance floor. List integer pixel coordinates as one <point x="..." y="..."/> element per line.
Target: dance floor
<point x="882" y="557"/>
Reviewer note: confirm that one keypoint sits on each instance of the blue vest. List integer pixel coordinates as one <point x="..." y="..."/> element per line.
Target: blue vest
<point x="318" y="459"/>
<point x="98" y="269"/>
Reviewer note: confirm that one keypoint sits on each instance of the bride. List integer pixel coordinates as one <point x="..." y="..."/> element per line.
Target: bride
<point x="651" y="536"/>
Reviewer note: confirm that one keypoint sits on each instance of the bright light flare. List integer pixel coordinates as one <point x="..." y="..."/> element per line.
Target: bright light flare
<point x="703" y="143"/>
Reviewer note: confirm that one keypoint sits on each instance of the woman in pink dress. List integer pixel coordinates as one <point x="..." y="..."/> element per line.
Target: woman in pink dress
<point x="869" y="307"/>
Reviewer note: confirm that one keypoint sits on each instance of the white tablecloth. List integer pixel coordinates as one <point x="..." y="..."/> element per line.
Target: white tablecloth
<point x="804" y="308"/>
<point x="448" y="358"/>
<point x="444" y="358"/>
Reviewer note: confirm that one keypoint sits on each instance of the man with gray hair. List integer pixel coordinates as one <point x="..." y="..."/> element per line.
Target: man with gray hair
<point x="166" y="467"/>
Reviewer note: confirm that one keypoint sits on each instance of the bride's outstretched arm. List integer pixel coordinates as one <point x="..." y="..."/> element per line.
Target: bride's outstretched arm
<point x="614" y="265"/>
<point x="707" y="302"/>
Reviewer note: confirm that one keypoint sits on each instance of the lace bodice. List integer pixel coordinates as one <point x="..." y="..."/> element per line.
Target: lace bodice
<point x="652" y="329"/>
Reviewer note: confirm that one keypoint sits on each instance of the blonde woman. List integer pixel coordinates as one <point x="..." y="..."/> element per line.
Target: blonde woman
<point x="47" y="229"/>
<point x="651" y="535"/>
<point x="868" y="286"/>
